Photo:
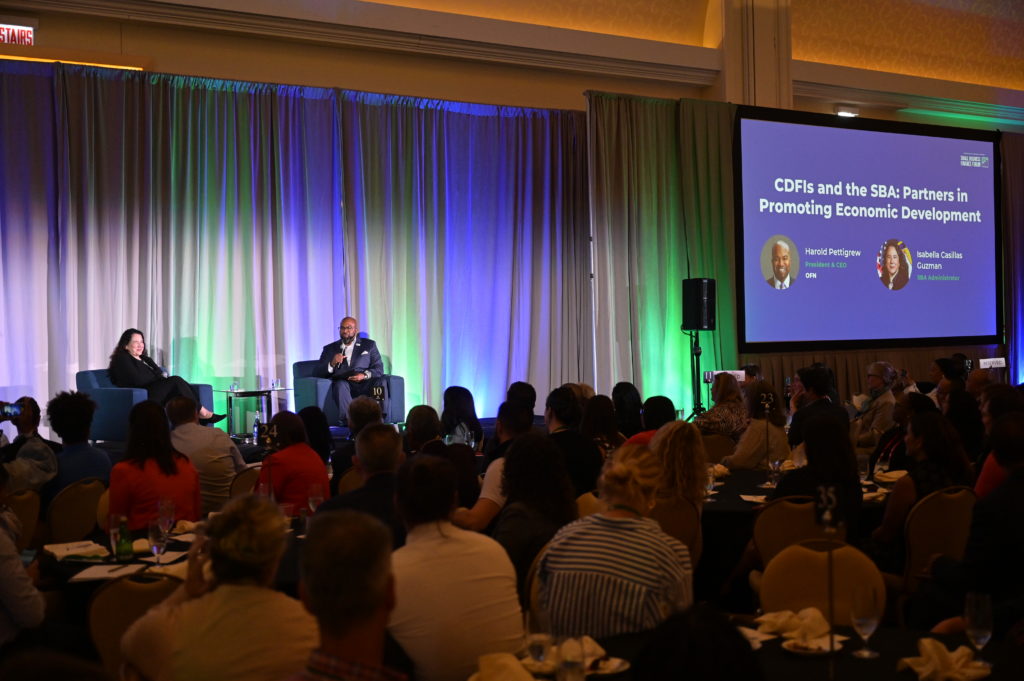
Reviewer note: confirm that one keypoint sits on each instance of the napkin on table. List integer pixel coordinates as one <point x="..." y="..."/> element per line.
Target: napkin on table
<point x="808" y="627"/>
<point x="755" y="637"/>
<point x="79" y="549"/>
<point x="936" y="663"/>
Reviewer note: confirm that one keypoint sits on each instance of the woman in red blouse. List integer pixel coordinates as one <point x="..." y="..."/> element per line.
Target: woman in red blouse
<point x="295" y="467"/>
<point x="152" y="471"/>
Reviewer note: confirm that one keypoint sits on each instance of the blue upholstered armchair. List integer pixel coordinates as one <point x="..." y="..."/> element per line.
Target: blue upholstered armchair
<point x="312" y="391"/>
<point x="111" y="419"/>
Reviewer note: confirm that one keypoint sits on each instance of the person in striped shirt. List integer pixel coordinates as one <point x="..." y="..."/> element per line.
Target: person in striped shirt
<point x="616" y="572"/>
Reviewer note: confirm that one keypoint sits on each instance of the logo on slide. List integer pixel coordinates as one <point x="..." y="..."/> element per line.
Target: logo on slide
<point x="973" y="159"/>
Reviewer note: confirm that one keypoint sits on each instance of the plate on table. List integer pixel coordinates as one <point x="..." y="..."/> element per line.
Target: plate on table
<point x="798" y="648"/>
<point x="608" y="665"/>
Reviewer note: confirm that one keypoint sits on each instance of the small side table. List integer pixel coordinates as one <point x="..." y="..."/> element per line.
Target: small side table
<point x="266" y="411"/>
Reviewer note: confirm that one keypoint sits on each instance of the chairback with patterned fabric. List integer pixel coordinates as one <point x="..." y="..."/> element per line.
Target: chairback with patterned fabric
<point x="244" y="481"/>
<point x="588" y="504"/>
<point x="786" y="521"/>
<point x="103" y="511"/>
<point x="536" y="617"/>
<point x="939" y="524"/>
<point x="72" y="513"/>
<point x="797" y="578"/>
<point x="717" y="447"/>
<point x="680" y="518"/>
<point x="352" y="479"/>
<point x="25" y="505"/>
<point x="115" y="606"/>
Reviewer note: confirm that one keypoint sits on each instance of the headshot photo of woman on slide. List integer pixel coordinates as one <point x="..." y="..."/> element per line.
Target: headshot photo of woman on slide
<point x="894" y="264"/>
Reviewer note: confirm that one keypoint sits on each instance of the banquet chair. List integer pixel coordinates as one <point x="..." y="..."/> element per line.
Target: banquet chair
<point x="717" y="447"/>
<point x="113" y="403"/>
<point x="680" y="518"/>
<point x="244" y="481"/>
<point x="116" y="605"/>
<point x="313" y="391"/>
<point x="797" y="578"/>
<point x="588" y="504"/>
<point x="784" y="522"/>
<point x="938" y="524"/>
<point x="25" y="505"/>
<point x="350" y="480"/>
<point x="103" y="511"/>
<point x="72" y="513"/>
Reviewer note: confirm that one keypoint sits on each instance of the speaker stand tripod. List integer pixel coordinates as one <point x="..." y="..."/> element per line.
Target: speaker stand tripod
<point x="695" y="375"/>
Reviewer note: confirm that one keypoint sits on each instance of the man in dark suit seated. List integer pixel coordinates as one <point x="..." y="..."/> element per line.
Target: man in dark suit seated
<point x="816" y="401"/>
<point x="378" y="455"/>
<point x="353" y="364"/>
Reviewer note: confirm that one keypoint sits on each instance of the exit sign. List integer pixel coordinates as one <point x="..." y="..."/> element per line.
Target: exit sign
<point x="12" y="34"/>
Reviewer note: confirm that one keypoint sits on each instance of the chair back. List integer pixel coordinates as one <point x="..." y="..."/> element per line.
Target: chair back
<point x="679" y="518"/>
<point x="352" y="479"/>
<point x="116" y="605"/>
<point x="786" y="521"/>
<point x="244" y="481"/>
<point x="797" y="578"/>
<point x="103" y="511"/>
<point x="92" y="378"/>
<point x="72" y="513"/>
<point x="939" y="524"/>
<point x="25" y="505"/>
<point x="216" y="474"/>
<point x="588" y="504"/>
<point x="717" y="447"/>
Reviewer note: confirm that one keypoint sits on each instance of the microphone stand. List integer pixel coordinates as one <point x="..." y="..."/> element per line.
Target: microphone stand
<point x="695" y="377"/>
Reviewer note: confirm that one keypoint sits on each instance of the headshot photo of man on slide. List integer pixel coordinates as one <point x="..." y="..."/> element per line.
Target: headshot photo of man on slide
<point x="779" y="262"/>
<point x="894" y="264"/>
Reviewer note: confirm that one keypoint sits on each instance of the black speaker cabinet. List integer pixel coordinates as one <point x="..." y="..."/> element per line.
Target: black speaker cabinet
<point x="698" y="304"/>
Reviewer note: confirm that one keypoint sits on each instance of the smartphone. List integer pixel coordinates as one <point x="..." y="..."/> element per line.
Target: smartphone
<point x="10" y="410"/>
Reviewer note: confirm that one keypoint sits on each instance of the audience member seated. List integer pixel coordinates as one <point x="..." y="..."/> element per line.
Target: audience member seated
<point x="583" y="459"/>
<point x="539" y="502"/>
<point x="830" y="463"/>
<point x="940" y="368"/>
<point x="700" y="643"/>
<point x="765" y="438"/>
<point x="892" y="445"/>
<point x="459" y="424"/>
<point x="996" y="401"/>
<point x="226" y="622"/>
<point x="977" y="381"/>
<point x="938" y="462"/>
<point x="995" y="547"/>
<point x="422" y="425"/>
<point x="814" y="382"/>
<point x="151" y="471"/>
<point x="30" y="460"/>
<point x="318" y="432"/>
<point x="598" y="424"/>
<point x="514" y="419"/>
<point x="211" y="451"/>
<point x="362" y="411"/>
<point x="466" y="467"/>
<point x="658" y="411"/>
<point x="961" y="410"/>
<point x="751" y="374"/>
<point x="21" y="605"/>
<point x="628" y="407"/>
<point x="131" y="367"/>
<point x="616" y="572"/>
<point x="70" y="415"/>
<point x="378" y="455"/>
<point x="455" y="589"/>
<point x="294" y="470"/>
<point x="679" y="449"/>
<point x="582" y="392"/>
<point x="520" y="394"/>
<point x="729" y="416"/>
<point x="875" y="415"/>
<point x="348" y="586"/>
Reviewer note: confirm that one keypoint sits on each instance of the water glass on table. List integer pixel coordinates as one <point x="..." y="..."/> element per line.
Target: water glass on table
<point x="315" y="498"/>
<point x="165" y="515"/>
<point x="865" y="611"/>
<point x="157" y="539"/>
<point x="978" y="614"/>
